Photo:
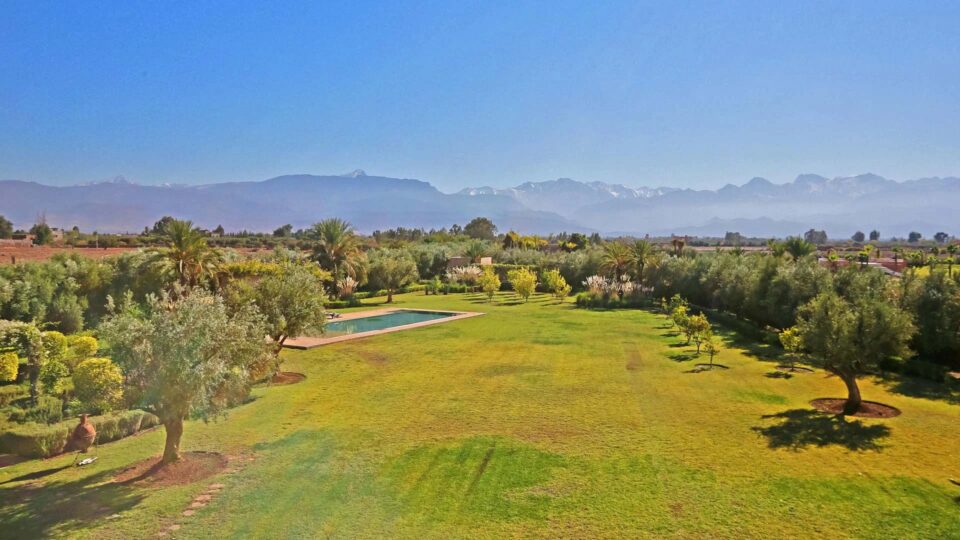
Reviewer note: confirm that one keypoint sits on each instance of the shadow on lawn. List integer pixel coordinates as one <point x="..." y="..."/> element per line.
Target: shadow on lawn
<point x="41" y="510"/>
<point x="681" y="357"/>
<point x="921" y="388"/>
<point x="800" y="428"/>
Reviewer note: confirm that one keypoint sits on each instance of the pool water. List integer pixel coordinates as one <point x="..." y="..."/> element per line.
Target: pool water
<point x="380" y="322"/>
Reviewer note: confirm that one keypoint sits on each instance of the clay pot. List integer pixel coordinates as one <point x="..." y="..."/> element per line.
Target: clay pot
<point x="83" y="435"/>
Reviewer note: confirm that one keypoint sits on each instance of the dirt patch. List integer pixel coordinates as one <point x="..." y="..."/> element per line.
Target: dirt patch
<point x="374" y="357"/>
<point x="193" y="466"/>
<point x="794" y="369"/>
<point x="10" y="459"/>
<point x="287" y="377"/>
<point x="868" y="409"/>
<point x="633" y="361"/>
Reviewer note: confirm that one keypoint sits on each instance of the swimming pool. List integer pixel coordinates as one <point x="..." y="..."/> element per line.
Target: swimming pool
<point x="382" y="322"/>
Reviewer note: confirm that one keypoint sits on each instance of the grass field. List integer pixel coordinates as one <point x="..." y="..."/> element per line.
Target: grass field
<point x="535" y="420"/>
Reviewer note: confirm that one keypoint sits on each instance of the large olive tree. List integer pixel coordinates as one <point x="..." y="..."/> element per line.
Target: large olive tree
<point x="850" y="336"/>
<point x="185" y="356"/>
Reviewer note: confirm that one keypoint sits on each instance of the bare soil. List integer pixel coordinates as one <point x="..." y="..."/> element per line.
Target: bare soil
<point x="193" y="466"/>
<point x="868" y="409"/>
<point x="287" y="377"/>
<point x="41" y="253"/>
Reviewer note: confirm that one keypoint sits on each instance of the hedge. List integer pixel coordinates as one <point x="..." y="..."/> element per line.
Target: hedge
<point x="37" y="440"/>
<point x="10" y="393"/>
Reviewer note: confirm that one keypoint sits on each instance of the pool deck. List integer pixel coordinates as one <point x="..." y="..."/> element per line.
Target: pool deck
<point x="306" y="342"/>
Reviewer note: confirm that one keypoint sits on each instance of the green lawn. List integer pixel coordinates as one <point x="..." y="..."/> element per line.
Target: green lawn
<point x="536" y="420"/>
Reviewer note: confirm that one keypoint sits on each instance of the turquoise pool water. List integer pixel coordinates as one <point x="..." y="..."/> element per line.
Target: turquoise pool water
<point x="380" y="322"/>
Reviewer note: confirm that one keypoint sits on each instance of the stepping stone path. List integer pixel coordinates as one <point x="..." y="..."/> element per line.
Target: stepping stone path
<point x="204" y="498"/>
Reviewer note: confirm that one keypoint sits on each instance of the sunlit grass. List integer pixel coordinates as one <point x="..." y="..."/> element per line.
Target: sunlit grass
<point x="534" y="420"/>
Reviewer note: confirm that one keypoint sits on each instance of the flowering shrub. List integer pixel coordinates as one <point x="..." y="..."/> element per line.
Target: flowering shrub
<point x="467" y="275"/>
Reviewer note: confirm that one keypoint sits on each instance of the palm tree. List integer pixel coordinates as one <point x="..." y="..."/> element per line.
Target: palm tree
<point x="187" y="254"/>
<point x="616" y="259"/>
<point x="798" y="248"/>
<point x="641" y="253"/>
<point x="337" y="249"/>
<point x="678" y="245"/>
<point x="475" y="250"/>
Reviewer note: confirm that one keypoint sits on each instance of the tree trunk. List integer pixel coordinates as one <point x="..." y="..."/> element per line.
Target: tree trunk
<point x="390" y="296"/>
<point x="171" y="450"/>
<point x="34" y="375"/>
<point x="853" y="394"/>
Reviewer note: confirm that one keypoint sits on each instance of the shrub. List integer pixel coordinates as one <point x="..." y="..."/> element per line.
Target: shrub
<point x="48" y="410"/>
<point x="40" y="441"/>
<point x="54" y="345"/>
<point x="79" y="348"/>
<point x="11" y="393"/>
<point x="98" y="384"/>
<point x="9" y="363"/>
<point x="52" y="376"/>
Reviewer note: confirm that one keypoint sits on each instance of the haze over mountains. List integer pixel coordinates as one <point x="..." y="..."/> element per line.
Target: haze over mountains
<point x="757" y="208"/>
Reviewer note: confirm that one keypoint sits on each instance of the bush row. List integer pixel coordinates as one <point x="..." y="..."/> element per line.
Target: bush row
<point x="40" y="441"/>
<point x="354" y="301"/>
<point x="592" y="300"/>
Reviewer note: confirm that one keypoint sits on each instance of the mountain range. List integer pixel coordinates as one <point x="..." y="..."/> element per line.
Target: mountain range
<point x="758" y="207"/>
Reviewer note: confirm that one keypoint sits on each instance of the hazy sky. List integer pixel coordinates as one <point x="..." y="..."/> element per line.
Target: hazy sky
<point x="478" y="93"/>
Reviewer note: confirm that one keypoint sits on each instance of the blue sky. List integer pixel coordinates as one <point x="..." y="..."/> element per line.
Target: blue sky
<point x="478" y="93"/>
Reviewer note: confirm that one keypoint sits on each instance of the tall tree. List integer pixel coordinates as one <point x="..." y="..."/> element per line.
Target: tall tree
<point x="858" y="237"/>
<point x="42" y="234"/>
<point x="6" y="228"/>
<point x="641" y="253"/>
<point x="874" y="235"/>
<point x="185" y="356"/>
<point x="616" y="259"/>
<point x="338" y="249"/>
<point x="481" y="228"/>
<point x="186" y="255"/>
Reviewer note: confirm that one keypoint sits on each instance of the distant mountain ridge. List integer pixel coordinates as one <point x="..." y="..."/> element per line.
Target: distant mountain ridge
<point x="758" y="207"/>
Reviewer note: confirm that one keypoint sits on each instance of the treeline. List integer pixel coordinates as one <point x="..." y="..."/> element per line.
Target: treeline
<point x="770" y="291"/>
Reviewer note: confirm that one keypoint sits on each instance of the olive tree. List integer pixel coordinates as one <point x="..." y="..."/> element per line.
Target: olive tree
<point x="291" y="302"/>
<point x="184" y="356"/>
<point x="391" y="272"/>
<point x="849" y="337"/>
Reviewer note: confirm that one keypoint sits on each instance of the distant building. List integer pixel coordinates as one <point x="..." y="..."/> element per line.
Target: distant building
<point x="454" y="262"/>
<point x="17" y="240"/>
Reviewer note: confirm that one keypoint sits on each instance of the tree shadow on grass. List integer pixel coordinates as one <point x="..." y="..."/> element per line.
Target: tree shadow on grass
<point x="801" y="428"/>
<point x="681" y="357"/>
<point x="777" y="374"/>
<point x="44" y="509"/>
<point x="35" y="475"/>
<point x="921" y="388"/>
